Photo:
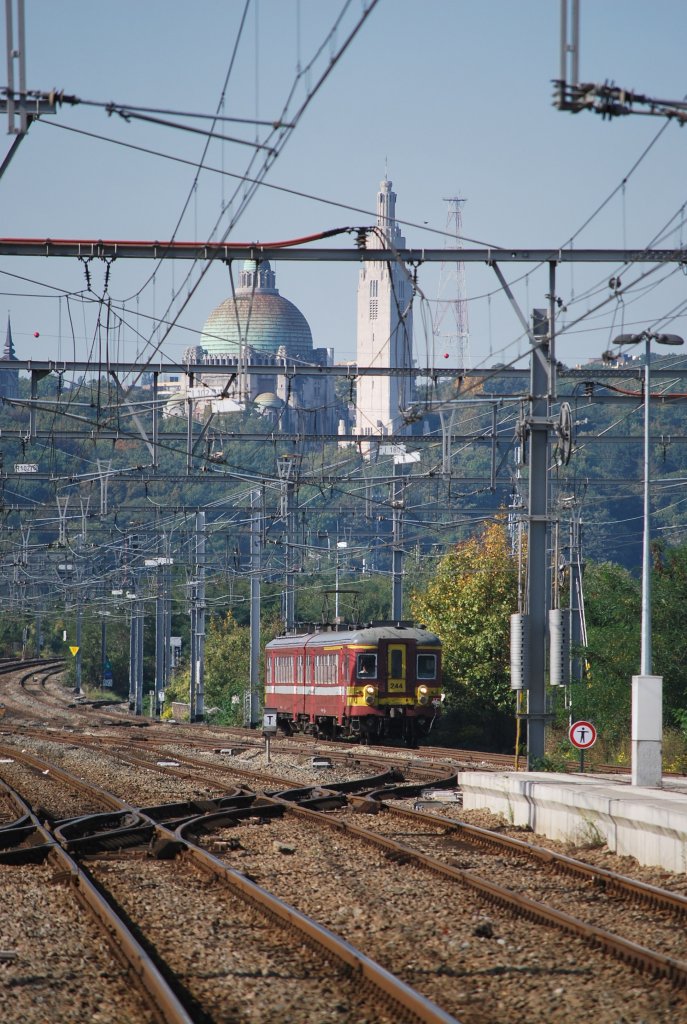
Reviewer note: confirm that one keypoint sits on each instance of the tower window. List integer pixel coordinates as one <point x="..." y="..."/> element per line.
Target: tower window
<point x="373" y="309"/>
<point x="373" y="289"/>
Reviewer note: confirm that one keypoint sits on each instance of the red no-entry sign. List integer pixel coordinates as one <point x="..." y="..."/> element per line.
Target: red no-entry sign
<point x="582" y="735"/>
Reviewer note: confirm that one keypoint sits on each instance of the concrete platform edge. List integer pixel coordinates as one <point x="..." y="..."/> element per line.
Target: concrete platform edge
<point x="647" y="824"/>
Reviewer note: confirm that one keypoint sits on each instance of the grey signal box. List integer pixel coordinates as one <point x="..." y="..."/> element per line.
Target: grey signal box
<point x="519" y="651"/>
<point x="559" y="646"/>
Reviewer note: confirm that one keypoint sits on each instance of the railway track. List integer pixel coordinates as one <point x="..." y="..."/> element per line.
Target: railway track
<point x="59" y="963"/>
<point x="90" y="712"/>
<point x="237" y="933"/>
<point x="354" y="878"/>
<point x="438" y="912"/>
<point x="602" y="899"/>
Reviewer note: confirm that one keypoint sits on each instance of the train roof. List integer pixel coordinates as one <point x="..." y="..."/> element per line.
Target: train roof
<point x="371" y="634"/>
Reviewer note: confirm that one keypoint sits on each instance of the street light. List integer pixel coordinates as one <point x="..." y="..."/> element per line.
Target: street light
<point x="647" y="689"/>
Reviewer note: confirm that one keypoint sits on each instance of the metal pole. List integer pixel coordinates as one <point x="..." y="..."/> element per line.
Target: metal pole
<point x="255" y="566"/>
<point x="193" y="656"/>
<point x="397" y="551"/>
<point x="646" y="659"/>
<point x="139" y="655"/>
<point x="103" y="648"/>
<point x="575" y="569"/>
<point x="538" y="522"/>
<point x="647" y="689"/>
<point x="189" y="424"/>
<point x="167" y="614"/>
<point x="132" y="657"/>
<point x="336" y="585"/>
<point x="78" y="638"/>
<point x="290" y="598"/>
<point x="200" y="618"/>
<point x="159" y="635"/>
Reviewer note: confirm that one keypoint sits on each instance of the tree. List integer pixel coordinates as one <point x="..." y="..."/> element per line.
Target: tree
<point x="227" y="667"/>
<point x="612" y="603"/>
<point x="468" y="603"/>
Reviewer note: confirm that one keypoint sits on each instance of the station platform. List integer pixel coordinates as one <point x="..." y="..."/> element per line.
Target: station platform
<point x="647" y="824"/>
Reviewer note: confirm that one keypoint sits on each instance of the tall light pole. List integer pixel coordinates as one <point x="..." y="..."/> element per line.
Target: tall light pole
<point x="647" y="689"/>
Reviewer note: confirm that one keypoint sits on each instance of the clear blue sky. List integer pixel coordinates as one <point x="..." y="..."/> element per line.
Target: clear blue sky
<point x="454" y="96"/>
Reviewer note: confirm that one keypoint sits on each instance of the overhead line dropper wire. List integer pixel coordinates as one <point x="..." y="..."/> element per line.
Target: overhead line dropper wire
<point x="266" y="184"/>
<point x="334" y="60"/>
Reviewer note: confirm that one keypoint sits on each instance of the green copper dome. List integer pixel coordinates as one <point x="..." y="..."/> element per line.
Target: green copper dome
<point x="259" y="316"/>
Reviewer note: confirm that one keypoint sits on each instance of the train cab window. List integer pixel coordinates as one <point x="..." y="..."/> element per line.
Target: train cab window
<point x="366" y="667"/>
<point x="396" y="663"/>
<point x="426" y="666"/>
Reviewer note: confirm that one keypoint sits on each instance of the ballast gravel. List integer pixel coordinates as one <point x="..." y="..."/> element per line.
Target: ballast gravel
<point x="55" y="965"/>
<point x="477" y="962"/>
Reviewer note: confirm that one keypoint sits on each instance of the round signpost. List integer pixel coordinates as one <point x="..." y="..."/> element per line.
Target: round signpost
<point x="583" y="736"/>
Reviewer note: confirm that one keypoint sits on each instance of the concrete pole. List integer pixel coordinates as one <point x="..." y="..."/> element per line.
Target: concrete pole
<point x="255" y="567"/>
<point x="539" y="427"/>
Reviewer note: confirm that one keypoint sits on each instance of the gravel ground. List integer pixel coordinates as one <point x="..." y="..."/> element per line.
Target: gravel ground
<point x="587" y="901"/>
<point x="477" y="962"/>
<point x="238" y="964"/>
<point x="136" y="786"/>
<point x="48" y="798"/>
<point x="55" y="965"/>
<point x="599" y="856"/>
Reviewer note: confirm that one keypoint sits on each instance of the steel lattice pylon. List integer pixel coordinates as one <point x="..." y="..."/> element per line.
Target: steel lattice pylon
<point x="450" y="326"/>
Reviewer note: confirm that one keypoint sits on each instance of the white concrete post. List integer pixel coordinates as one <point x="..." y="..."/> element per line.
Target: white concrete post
<point x="647" y="730"/>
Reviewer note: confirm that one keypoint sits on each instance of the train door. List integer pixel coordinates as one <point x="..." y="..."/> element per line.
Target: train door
<point x="396" y="668"/>
<point x="301" y="667"/>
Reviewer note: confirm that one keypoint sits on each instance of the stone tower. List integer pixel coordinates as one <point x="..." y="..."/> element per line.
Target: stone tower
<point x="384" y="327"/>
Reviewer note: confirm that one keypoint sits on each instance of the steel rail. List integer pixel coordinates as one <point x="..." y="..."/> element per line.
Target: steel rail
<point x="23" y="757"/>
<point x="408" y="1001"/>
<point x="638" y="891"/>
<point x="640" y="957"/>
<point x="159" y="997"/>
<point x="168" y="843"/>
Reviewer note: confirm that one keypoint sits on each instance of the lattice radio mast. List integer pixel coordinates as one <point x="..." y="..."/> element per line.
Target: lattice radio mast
<point x="450" y="327"/>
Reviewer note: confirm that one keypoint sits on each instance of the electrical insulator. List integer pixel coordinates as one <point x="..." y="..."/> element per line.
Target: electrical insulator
<point x="519" y="651"/>
<point x="559" y="646"/>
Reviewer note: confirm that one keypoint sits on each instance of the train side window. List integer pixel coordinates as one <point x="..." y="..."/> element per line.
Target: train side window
<point x="426" y="666"/>
<point x="367" y="666"/>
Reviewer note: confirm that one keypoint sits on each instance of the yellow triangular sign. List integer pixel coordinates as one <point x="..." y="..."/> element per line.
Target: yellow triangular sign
<point x="75" y="650"/>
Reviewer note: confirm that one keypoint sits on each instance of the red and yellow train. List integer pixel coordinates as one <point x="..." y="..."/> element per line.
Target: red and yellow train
<point x="369" y="682"/>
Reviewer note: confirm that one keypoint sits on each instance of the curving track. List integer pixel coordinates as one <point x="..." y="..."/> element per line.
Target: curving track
<point x="429" y="912"/>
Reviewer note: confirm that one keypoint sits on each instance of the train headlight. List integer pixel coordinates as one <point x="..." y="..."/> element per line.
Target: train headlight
<point x="423" y="694"/>
<point x="369" y="694"/>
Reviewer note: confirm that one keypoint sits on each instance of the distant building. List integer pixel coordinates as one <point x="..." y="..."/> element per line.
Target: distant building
<point x="9" y="378"/>
<point x="384" y="327"/>
<point x="259" y="327"/>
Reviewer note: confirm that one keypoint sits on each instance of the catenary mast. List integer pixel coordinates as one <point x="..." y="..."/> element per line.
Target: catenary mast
<point x="451" y="326"/>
